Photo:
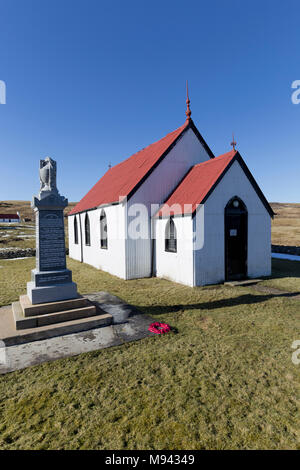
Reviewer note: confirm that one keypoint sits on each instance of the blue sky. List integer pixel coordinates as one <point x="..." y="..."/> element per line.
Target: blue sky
<point x="91" y="82"/>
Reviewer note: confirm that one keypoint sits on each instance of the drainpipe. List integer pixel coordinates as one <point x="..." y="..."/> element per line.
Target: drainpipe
<point x="152" y="234"/>
<point x="81" y="246"/>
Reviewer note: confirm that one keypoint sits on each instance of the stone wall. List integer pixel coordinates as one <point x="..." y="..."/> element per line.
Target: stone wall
<point x="27" y="252"/>
<point x="288" y="250"/>
<point x="19" y="253"/>
<point x="16" y="253"/>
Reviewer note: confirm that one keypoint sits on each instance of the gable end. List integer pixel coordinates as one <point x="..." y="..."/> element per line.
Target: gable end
<point x="190" y="125"/>
<point x="251" y="179"/>
<point x="200" y="138"/>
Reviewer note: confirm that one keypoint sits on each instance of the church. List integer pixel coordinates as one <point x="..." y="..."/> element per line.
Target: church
<point x="176" y="211"/>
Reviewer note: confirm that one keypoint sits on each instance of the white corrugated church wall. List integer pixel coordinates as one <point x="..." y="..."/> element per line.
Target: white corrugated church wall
<point x="187" y="152"/>
<point x="74" y="249"/>
<point x="177" y="267"/>
<point x="210" y="260"/>
<point x="111" y="259"/>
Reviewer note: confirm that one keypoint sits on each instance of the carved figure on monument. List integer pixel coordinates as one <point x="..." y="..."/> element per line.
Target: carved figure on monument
<point x="48" y="175"/>
<point x="48" y="194"/>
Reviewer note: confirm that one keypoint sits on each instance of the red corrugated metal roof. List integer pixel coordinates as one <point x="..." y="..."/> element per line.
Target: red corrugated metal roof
<point x="195" y="186"/>
<point x="121" y="179"/>
<point x="9" y="216"/>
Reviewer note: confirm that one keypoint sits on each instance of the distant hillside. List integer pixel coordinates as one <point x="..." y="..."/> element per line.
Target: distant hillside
<point x="286" y="224"/>
<point x="283" y="210"/>
<point x="24" y="208"/>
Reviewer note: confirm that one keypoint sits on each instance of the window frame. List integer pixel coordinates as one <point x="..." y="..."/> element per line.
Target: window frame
<point x="75" y="231"/>
<point x="87" y="230"/>
<point x="103" y="230"/>
<point x="171" y="236"/>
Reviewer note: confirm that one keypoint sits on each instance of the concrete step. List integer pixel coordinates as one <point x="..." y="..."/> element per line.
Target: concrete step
<point x="30" y="310"/>
<point x="244" y="282"/>
<point x="36" y="321"/>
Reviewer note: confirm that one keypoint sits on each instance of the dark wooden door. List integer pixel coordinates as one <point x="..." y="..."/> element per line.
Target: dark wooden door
<point x="236" y="240"/>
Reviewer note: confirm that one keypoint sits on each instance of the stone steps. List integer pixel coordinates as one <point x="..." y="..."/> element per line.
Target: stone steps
<point x="30" y="310"/>
<point x="34" y="322"/>
<point x="45" y="319"/>
<point x="14" y="337"/>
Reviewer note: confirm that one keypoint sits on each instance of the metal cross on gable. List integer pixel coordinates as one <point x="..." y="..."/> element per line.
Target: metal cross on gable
<point x="233" y="143"/>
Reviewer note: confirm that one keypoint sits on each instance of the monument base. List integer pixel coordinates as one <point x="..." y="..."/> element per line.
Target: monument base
<point x="48" y="278"/>
<point x="41" y="321"/>
<point x="53" y="293"/>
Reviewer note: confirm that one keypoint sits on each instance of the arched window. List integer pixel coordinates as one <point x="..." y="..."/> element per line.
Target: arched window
<point x="171" y="237"/>
<point x="75" y="231"/>
<point x="87" y="230"/>
<point x="103" y="230"/>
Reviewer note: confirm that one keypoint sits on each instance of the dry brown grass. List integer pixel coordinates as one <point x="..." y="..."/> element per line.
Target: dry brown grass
<point x="286" y="224"/>
<point x="24" y="208"/>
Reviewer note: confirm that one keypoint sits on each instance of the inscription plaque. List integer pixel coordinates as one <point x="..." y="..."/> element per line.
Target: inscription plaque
<point x="51" y="240"/>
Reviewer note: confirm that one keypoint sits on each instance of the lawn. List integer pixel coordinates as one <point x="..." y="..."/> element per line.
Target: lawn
<point x="224" y="380"/>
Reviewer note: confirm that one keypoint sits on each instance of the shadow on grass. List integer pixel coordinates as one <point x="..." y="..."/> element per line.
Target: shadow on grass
<point x="247" y="299"/>
<point x="284" y="268"/>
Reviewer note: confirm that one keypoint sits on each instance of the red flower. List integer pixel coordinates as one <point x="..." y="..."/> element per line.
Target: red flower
<point x="159" y="328"/>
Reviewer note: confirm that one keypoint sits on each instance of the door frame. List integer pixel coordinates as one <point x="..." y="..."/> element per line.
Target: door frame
<point x="245" y="211"/>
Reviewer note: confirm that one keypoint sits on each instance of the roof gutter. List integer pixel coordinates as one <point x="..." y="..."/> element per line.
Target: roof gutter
<point x="94" y="208"/>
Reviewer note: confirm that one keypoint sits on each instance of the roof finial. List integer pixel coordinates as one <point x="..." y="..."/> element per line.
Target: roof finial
<point x="233" y="143"/>
<point x="109" y="165"/>
<point x="188" y="111"/>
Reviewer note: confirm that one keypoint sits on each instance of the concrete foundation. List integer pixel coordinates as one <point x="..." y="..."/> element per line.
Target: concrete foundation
<point x="19" y="351"/>
<point x="113" y="323"/>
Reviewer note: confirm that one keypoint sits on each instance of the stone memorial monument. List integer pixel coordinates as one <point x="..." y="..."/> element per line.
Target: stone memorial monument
<point x="52" y="306"/>
<point x="50" y="280"/>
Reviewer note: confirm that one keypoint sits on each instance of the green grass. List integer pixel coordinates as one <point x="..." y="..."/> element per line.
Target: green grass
<point x="225" y="380"/>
